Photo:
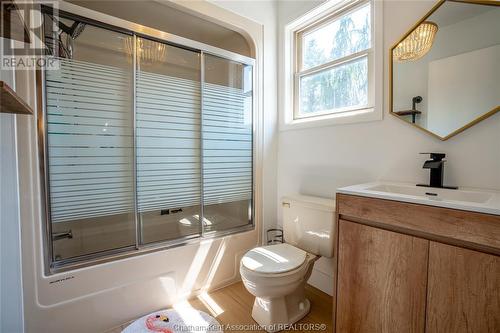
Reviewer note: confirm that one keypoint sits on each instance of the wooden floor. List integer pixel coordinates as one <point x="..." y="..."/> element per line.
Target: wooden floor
<point x="232" y="305"/>
<point x="237" y="304"/>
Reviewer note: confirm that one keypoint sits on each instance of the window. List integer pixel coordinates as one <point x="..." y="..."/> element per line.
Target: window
<point x="333" y="64"/>
<point x="332" y="73"/>
<point x="146" y="143"/>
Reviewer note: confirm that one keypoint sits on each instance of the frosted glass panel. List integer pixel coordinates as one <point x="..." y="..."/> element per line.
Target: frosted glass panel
<point x="139" y="149"/>
<point x="168" y="141"/>
<point x="90" y="145"/>
<point x="227" y="144"/>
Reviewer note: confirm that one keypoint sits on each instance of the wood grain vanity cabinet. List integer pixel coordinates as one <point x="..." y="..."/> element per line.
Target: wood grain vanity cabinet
<point x="382" y="276"/>
<point x="463" y="290"/>
<point x="405" y="267"/>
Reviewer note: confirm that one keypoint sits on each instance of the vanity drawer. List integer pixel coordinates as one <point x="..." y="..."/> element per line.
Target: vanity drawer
<point x="463" y="228"/>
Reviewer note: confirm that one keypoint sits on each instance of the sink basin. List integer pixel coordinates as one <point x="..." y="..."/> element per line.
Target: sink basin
<point x="434" y="193"/>
<point x="484" y="201"/>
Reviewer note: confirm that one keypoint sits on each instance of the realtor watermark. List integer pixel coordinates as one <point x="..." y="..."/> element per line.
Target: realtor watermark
<point x="29" y="62"/>
<point x="23" y="46"/>
<point x="216" y="328"/>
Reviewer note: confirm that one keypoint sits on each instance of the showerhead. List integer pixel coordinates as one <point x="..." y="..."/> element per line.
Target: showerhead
<point x="77" y="28"/>
<point x="72" y="32"/>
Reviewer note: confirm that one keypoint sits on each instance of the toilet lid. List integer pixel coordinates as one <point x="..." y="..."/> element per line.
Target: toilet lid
<point x="277" y="258"/>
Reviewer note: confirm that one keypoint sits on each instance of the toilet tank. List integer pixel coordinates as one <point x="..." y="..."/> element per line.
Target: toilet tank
<point x="308" y="223"/>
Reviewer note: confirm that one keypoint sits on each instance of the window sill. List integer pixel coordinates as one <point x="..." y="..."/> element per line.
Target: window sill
<point x="357" y="116"/>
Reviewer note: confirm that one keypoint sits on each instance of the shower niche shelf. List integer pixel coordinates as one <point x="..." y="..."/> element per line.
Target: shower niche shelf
<point x="10" y="102"/>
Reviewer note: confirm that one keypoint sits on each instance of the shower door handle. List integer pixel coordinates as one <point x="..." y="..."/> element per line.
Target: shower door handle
<point x="62" y="235"/>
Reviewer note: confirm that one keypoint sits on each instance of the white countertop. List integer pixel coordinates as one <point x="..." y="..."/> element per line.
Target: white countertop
<point x="469" y="199"/>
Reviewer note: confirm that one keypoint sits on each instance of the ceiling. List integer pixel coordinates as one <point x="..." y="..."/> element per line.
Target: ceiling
<point x="160" y="16"/>
<point x="454" y="12"/>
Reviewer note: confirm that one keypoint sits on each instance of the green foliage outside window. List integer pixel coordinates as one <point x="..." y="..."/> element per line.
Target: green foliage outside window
<point x="342" y="86"/>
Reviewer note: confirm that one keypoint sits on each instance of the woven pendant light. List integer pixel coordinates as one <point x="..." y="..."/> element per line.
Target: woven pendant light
<point x="147" y="51"/>
<point x="417" y="44"/>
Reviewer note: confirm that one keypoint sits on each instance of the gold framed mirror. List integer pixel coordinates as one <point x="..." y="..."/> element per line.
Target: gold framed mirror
<point x="445" y="71"/>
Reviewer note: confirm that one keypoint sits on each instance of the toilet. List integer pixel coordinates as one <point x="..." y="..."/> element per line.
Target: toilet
<point x="276" y="274"/>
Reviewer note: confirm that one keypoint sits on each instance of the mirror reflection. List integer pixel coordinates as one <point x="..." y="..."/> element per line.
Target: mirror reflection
<point x="446" y="72"/>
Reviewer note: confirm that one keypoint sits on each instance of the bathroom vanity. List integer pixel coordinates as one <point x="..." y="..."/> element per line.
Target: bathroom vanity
<point x="411" y="259"/>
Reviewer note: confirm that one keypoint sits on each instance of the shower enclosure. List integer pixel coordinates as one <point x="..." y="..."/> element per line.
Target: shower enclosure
<point x="146" y="142"/>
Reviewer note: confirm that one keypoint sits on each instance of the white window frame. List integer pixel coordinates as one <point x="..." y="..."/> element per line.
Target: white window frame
<point x="317" y="18"/>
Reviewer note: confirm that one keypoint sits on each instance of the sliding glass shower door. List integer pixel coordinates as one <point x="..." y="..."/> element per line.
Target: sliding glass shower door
<point x="90" y="143"/>
<point x="146" y="143"/>
<point x="227" y="144"/>
<point x="168" y="112"/>
<point x="194" y="143"/>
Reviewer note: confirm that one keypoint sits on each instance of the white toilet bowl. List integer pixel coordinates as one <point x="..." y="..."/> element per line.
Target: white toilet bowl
<point x="276" y="275"/>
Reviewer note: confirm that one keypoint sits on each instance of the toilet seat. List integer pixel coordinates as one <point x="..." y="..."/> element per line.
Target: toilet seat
<point x="274" y="259"/>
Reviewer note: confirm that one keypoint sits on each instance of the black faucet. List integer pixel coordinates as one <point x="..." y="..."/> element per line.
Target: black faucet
<point x="436" y="165"/>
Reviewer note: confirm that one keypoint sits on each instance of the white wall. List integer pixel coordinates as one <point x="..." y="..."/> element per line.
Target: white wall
<point x="462" y="88"/>
<point x="316" y="161"/>
<point x="288" y="11"/>
<point x="11" y="306"/>
<point x="11" y="297"/>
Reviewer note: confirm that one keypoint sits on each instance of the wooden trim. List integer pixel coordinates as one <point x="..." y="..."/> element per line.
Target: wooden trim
<point x="391" y="72"/>
<point x="335" y="262"/>
<point x="10" y="102"/>
<point x="472" y="230"/>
